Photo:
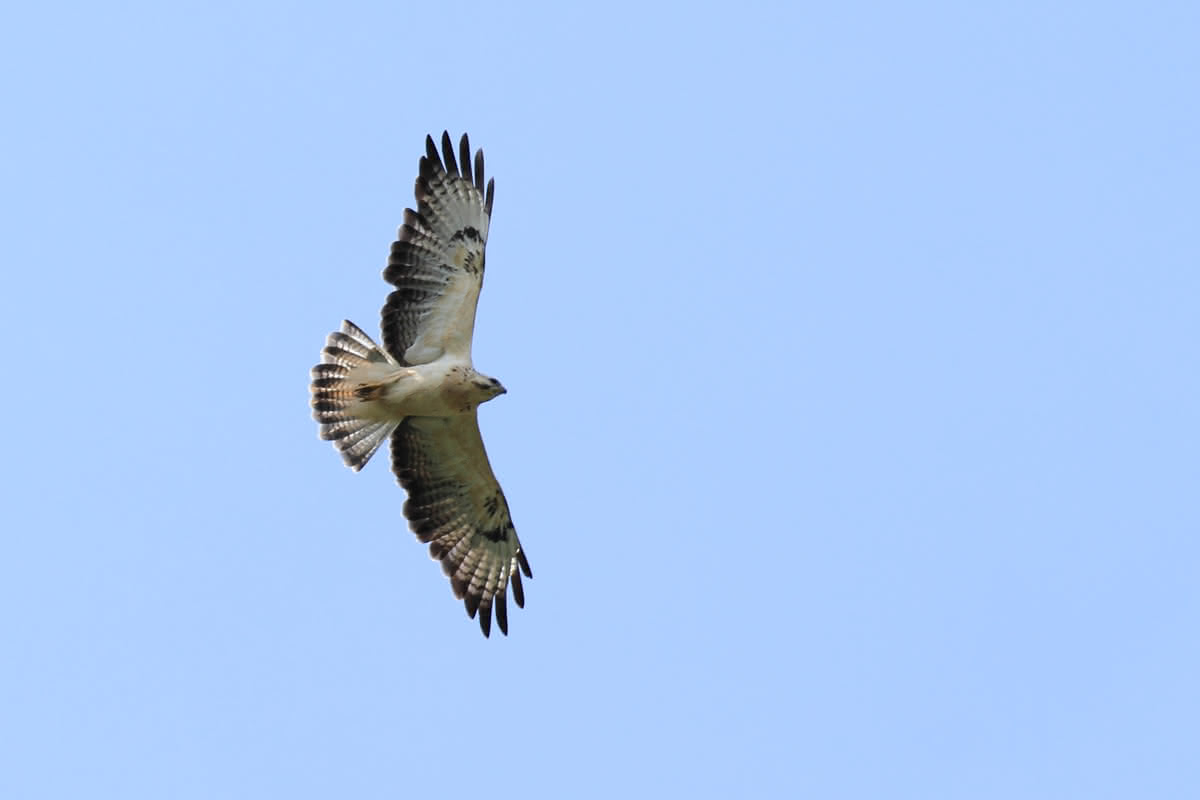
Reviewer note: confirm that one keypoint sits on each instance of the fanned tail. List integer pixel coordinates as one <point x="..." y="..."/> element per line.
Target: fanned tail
<point x="348" y="363"/>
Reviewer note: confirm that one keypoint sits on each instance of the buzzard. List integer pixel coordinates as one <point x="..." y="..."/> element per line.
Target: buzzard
<point x="420" y="390"/>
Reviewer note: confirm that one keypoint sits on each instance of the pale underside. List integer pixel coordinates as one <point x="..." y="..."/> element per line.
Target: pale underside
<point x="421" y="391"/>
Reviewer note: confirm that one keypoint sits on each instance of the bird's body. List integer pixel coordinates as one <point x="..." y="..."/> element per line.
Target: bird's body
<point x="421" y="391"/>
<point x="442" y="389"/>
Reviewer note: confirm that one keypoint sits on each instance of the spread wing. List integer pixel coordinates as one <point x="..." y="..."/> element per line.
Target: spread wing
<point x="436" y="264"/>
<point x="455" y="504"/>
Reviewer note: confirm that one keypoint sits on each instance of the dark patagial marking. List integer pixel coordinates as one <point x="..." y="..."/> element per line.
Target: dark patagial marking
<point x="469" y="232"/>
<point x="497" y="534"/>
<point x="492" y="505"/>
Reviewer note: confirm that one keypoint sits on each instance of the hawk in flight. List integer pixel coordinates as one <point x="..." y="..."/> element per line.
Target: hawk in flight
<point x="420" y="390"/>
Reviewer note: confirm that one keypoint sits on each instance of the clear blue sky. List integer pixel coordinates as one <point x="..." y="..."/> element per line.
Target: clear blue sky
<point x="852" y="425"/>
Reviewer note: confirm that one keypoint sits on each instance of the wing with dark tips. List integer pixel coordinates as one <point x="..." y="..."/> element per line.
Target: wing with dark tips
<point x="437" y="260"/>
<point x="456" y="505"/>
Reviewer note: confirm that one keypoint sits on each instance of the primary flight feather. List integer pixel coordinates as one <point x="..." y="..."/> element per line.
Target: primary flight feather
<point x="421" y="390"/>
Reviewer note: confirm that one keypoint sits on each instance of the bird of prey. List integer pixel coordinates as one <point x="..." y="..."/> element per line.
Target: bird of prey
<point x="421" y="390"/>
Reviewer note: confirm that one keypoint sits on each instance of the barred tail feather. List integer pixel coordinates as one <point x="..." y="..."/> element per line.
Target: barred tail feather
<point x="348" y="357"/>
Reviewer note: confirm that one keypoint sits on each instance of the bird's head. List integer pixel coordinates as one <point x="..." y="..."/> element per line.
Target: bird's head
<point x="488" y="387"/>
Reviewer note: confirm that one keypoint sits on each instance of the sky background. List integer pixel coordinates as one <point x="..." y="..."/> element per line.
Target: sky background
<point x="852" y="427"/>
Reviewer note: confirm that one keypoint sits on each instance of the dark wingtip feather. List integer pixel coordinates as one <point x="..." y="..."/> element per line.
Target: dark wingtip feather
<point x="472" y="603"/>
<point x="485" y="621"/>
<point x="518" y="590"/>
<point x="464" y="153"/>
<point x="524" y="564"/>
<point x="479" y="170"/>
<point x="502" y="610"/>
<point x="448" y="154"/>
<point x="431" y="152"/>
<point x="491" y="191"/>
